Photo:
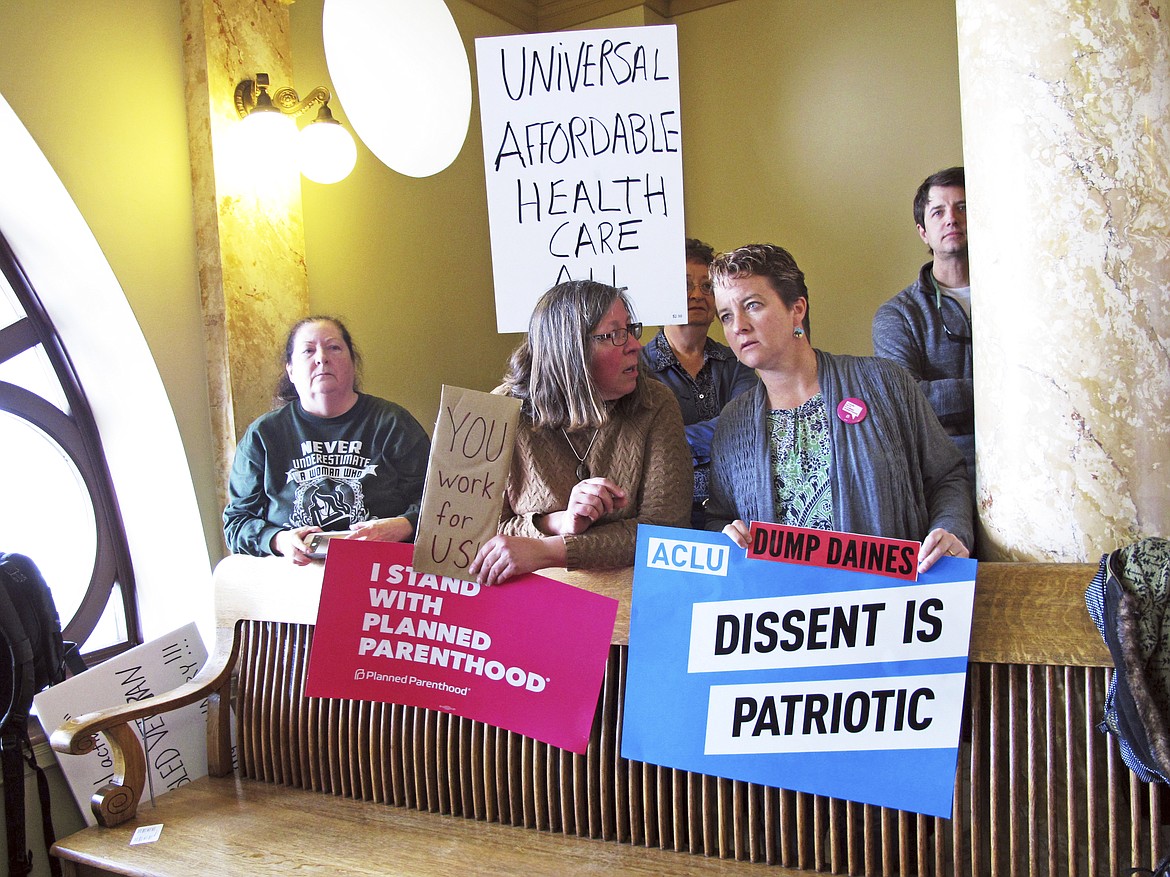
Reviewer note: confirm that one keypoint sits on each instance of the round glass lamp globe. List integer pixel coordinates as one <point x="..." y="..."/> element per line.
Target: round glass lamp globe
<point x="270" y="134"/>
<point x="326" y="152"/>
<point x="400" y="71"/>
<point x="268" y="153"/>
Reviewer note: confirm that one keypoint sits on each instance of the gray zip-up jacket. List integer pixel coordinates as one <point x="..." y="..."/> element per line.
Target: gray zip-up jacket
<point x="908" y="330"/>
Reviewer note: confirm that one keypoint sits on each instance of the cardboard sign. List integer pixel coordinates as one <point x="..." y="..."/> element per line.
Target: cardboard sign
<point x="527" y="656"/>
<point x="827" y="681"/>
<point x="582" y="150"/>
<point x="897" y="558"/>
<point x="471" y="453"/>
<point x="175" y="743"/>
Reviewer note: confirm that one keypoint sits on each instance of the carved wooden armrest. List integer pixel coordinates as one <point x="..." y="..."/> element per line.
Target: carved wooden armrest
<point x="117" y="801"/>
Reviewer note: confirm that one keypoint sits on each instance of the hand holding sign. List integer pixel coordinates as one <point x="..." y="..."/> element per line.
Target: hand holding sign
<point x="739" y="533"/>
<point x="940" y="543"/>
<point x="505" y="557"/>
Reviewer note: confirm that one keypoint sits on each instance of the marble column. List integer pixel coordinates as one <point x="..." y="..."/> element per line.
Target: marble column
<point x="1066" y="133"/>
<point x="249" y="225"/>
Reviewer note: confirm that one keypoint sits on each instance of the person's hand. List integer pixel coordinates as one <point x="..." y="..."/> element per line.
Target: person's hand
<point x="382" y="530"/>
<point x="292" y="544"/>
<point x="589" y="500"/>
<point x="939" y="543"/>
<point x="738" y="532"/>
<point x="505" y="557"/>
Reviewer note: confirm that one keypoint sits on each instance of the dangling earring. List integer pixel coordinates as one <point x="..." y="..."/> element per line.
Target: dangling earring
<point x="798" y="332"/>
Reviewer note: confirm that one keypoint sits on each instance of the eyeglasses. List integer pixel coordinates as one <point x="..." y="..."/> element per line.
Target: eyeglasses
<point x="618" y="336"/>
<point x="705" y="287"/>
<point x="957" y="337"/>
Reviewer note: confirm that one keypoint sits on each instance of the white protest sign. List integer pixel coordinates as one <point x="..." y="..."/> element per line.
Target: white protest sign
<point x="824" y="630"/>
<point x="583" y="157"/>
<point x="175" y="742"/>
<point x="841" y="715"/>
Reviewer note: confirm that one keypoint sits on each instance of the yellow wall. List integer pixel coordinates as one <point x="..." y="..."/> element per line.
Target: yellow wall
<point x="810" y="124"/>
<point x="406" y="261"/>
<point x="100" y="88"/>
<point x="805" y="123"/>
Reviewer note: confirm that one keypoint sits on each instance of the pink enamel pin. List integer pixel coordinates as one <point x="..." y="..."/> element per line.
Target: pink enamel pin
<point x="852" y="410"/>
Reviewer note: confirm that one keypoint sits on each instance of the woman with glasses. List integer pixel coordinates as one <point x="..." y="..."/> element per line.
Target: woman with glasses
<point x="828" y="442"/>
<point x="600" y="446"/>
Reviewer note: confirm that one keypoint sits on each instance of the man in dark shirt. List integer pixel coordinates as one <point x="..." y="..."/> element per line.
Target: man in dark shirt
<point x="926" y="328"/>
<point x="703" y="373"/>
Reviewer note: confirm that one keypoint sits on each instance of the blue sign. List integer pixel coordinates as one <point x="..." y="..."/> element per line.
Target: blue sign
<point x="827" y="681"/>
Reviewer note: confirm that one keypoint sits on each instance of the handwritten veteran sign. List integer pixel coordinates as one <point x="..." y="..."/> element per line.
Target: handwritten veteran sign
<point x="819" y="679"/>
<point x="582" y="146"/>
<point x="175" y="743"/>
<point x="527" y="656"/>
<point x="471" y="452"/>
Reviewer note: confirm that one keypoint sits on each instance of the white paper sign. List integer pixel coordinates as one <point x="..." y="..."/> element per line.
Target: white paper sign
<point x="146" y="834"/>
<point x="175" y="742"/>
<point x="582" y="151"/>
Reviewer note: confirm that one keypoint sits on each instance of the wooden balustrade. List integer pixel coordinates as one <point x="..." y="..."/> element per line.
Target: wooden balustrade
<point x="1038" y="790"/>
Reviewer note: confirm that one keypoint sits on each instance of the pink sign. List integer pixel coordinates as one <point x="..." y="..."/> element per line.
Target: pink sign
<point x="527" y="656"/>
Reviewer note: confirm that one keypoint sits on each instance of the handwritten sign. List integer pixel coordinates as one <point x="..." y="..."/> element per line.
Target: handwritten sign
<point x="527" y="656"/>
<point x="897" y="558"/>
<point x="471" y="453"/>
<point x="821" y="680"/>
<point x="175" y="742"/>
<point x="582" y="151"/>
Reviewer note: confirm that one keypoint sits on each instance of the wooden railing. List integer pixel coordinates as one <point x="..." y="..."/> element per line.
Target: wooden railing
<point x="1038" y="791"/>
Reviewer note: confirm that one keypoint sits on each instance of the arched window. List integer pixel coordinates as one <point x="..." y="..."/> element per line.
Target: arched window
<point x="58" y="504"/>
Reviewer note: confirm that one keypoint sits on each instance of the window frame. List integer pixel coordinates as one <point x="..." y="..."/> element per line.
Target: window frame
<point x="77" y="435"/>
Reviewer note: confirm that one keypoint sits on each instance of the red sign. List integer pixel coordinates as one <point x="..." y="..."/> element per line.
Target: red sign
<point x="527" y="656"/>
<point x="897" y="558"/>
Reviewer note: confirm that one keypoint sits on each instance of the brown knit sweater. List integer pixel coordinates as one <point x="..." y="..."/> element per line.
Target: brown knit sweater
<point x="645" y="453"/>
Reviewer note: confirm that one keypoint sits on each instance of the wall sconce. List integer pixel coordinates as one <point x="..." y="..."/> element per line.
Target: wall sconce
<point x="325" y="151"/>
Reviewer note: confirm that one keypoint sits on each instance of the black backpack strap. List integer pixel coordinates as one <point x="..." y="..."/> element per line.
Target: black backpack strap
<point x="74" y="663"/>
<point x="48" y="833"/>
<point x="15" y="648"/>
<point x="19" y="857"/>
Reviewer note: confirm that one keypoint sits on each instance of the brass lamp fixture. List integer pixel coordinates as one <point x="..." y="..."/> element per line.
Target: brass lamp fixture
<point x="326" y="152"/>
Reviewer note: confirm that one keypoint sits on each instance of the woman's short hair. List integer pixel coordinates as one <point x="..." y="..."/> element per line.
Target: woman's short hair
<point x="285" y="391"/>
<point x="775" y="264"/>
<point x="549" y="371"/>
<point x="697" y="251"/>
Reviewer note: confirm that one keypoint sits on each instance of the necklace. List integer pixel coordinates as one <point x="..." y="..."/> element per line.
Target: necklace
<point x="582" y="467"/>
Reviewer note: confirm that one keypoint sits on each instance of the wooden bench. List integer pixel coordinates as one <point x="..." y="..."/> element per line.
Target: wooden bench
<point x="1038" y="790"/>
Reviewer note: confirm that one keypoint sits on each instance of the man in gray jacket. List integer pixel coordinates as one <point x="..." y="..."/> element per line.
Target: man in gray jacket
<point x="926" y="328"/>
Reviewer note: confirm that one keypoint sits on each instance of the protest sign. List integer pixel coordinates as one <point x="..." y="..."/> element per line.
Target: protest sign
<point x="471" y="452"/>
<point x="527" y="656"/>
<point x="175" y="742"/>
<point x="582" y="152"/>
<point x="888" y="557"/>
<point x="822" y="680"/>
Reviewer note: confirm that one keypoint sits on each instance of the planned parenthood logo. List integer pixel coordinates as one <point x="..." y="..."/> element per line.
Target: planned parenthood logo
<point x="680" y="556"/>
